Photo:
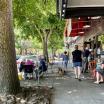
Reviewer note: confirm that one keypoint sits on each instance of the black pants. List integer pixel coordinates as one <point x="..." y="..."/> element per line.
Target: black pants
<point x="85" y="65"/>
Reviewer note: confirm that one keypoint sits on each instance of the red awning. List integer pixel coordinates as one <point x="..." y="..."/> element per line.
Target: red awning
<point x="78" y="28"/>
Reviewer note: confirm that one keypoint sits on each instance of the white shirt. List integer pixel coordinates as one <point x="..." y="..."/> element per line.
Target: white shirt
<point x="98" y="51"/>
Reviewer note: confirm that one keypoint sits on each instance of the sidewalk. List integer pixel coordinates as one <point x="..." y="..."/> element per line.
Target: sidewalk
<point x="70" y="91"/>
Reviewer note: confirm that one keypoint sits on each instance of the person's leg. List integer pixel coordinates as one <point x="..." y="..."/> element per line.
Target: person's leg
<point x="94" y="73"/>
<point x="101" y="78"/>
<point x="36" y="73"/>
<point x="25" y="75"/>
<point x="79" y="72"/>
<point x="83" y="65"/>
<point x="97" y="78"/>
<point x="91" y="70"/>
<point x="86" y="65"/>
<point x="31" y="75"/>
<point x="76" y="72"/>
<point x="66" y="64"/>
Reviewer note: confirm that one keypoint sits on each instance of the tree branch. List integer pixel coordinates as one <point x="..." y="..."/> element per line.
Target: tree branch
<point x="39" y="32"/>
<point x="48" y="35"/>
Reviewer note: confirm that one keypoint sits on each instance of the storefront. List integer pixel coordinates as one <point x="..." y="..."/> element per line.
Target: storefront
<point x="87" y="29"/>
<point x="84" y="19"/>
<point x="92" y="37"/>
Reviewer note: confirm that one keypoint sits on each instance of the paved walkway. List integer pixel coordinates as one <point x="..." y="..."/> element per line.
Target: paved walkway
<point x="70" y="91"/>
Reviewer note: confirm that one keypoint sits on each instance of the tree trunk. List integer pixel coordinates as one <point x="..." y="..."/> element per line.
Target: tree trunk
<point x="25" y="51"/>
<point x="45" y="50"/>
<point x="20" y="51"/>
<point x="9" y="82"/>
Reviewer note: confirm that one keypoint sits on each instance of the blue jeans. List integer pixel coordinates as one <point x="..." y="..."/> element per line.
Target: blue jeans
<point x="65" y="64"/>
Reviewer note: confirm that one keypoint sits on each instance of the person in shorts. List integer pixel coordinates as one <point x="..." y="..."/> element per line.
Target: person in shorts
<point x="99" y="71"/>
<point x="77" y="62"/>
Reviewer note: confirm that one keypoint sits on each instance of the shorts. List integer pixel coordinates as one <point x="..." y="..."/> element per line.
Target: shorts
<point x="101" y="71"/>
<point x="76" y="64"/>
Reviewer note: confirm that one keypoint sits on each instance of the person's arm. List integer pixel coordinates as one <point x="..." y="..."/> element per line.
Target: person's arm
<point x="81" y="55"/>
<point x="102" y="66"/>
<point x="68" y="57"/>
<point x="63" y="58"/>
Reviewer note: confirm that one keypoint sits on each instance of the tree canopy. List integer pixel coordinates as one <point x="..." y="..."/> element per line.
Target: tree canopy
<point x="37" y="18"/>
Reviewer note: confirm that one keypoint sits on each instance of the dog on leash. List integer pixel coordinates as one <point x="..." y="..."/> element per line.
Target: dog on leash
<point x="61" y="72"/>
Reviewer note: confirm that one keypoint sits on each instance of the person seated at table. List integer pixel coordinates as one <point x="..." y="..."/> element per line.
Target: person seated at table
<point x="99" y="72"/>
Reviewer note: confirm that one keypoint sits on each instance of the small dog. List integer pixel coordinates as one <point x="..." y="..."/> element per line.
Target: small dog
<point x="61" y="72"/>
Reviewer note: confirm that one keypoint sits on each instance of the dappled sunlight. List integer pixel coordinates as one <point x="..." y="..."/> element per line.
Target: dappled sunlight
<point x="102" y="93"/>
<point x="72" y="91"/>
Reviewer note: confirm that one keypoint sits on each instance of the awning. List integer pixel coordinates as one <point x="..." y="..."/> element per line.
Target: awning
<point x="79" y="26"/>
<point x="79" y="8"/>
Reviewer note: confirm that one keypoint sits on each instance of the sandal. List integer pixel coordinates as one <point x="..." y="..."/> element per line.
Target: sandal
<point x="96" y="82"/>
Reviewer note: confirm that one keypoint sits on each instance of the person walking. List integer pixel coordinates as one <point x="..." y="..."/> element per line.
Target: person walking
<point x="92" y="64"/>
<point x="99" y="52"/>
<point x="86" y="54"/>
<point x="65" y="60"/>
<point x="77" y="62"/>
<point x="99" y="71"/>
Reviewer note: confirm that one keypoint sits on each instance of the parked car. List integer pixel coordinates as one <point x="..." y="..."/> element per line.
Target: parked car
<point x="17" y="57"/>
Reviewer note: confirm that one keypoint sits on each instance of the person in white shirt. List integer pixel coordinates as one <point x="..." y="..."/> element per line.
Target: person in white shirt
<point x="98" y="52"/>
